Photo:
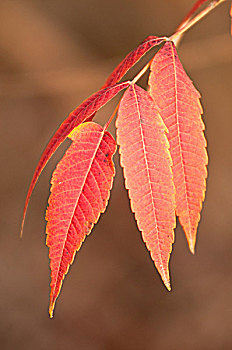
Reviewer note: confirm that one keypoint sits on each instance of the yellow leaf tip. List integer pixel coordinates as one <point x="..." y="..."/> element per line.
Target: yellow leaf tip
<point x="167" y="284"/>
<point x="192" y="250"/>
<point x="51" y="309"/>
<point x="191" y="244"/>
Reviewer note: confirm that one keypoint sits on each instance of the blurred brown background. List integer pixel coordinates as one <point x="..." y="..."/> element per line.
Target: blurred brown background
<point x="53" y="55"/>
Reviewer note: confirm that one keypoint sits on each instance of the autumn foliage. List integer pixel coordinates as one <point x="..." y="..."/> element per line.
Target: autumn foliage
<point x="180" y="109"/>
<point x="160" y="134"/>
<point x="79" y="193"/>
<point x="146" y="160"/>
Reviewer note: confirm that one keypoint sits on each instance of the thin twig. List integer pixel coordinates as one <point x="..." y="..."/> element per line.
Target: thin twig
<point x="190" y="14"/>
<point x="176" y="36"/>
<point x="112" y="117"/>
<point x="140" y="74"/>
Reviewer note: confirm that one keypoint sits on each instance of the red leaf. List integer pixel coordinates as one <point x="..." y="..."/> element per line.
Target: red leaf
<point x="180" y="108"/>
<point x="84" y="112"/>
<point x="132" y="58"/>
<point x="79" y="193"/>
<point x="145" y="158"/>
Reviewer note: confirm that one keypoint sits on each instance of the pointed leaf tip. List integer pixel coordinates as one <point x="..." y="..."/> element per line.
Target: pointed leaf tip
<point x="191" y="243"/>
<point x="51" y="308"/>
<point x="166" y="280"/>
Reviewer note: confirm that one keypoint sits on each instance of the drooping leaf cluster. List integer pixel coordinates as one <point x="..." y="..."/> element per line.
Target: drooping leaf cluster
<point x="160" y="134"/>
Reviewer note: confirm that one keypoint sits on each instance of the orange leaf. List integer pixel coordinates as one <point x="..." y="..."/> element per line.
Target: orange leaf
<point x="145" y="158"/>
<point x="180" y="108"/>
<point x="79" y="193"/>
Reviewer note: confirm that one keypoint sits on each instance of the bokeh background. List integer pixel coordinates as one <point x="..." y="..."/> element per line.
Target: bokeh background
<point x="53" y="55"/>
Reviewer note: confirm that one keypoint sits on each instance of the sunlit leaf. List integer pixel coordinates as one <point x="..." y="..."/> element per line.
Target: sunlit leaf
<point x="180" y="109"/>
<point x="146" y="161"/>
<point x="80" y="190"/>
